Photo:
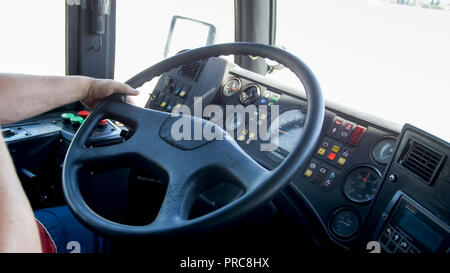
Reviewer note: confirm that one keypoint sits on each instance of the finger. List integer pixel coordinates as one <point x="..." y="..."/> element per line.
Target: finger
<point x="125" y="89"/>
<point x="130" y="100"/>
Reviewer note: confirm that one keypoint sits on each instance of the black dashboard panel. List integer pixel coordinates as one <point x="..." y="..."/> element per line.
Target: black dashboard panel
<point x="346" y="147"/>
<point x="38" y="147"/>
<point x="333" y="163"/>
<point x="412" y="209"/>
<point x="53" y="123"/>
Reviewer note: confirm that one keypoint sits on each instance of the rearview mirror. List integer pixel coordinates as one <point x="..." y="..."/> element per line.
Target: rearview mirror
<point x="186" y="33"/>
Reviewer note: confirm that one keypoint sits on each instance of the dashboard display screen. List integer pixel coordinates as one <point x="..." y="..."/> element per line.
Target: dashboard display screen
<point x="419" y="230"/>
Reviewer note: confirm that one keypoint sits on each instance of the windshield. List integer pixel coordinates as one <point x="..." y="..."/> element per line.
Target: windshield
<point x="32" y="37"/>
<point x="143" y="26"/>
<point x="382" y="57"/>
<point x="390" y="58"/>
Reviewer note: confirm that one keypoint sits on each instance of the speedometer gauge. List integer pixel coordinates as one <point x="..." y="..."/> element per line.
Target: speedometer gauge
<point x="361" y="184"/>
<point x="286" y="134"/>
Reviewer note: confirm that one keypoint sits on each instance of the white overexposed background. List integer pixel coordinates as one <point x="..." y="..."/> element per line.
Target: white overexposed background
<point x="32" y="38"/>
<point x="392" y="61"/>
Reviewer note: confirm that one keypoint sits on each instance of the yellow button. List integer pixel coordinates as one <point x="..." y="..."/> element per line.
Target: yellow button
<point x="245" y="132"/>
<point x="336" y="148"/>
<point x="321" y="151"/>
<point x="263" y="117"/>
<point x="308" y="172"/>
<point x="342" y="160"/>
<point x="241" y="138"/>
<point x="182" y="94"/>
<point x="163" y="104"/>
<point x="252" y="135"/>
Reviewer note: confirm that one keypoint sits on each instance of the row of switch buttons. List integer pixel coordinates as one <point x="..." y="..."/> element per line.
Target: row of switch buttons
<point x="394" y="242"/>
<point x="333" y="152"/>
<point x="164" y="100"/>
<point x="177" y="88"/>
<point x="77" y="120"/>
<point x="346" y="131"/>
<point x="246" y="137"/>
<point x="323" y="175"/>
<point x="269" y="98"/>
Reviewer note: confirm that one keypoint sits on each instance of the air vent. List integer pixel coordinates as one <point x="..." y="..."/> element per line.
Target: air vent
<point x="191" y="70"/>
<point x="421" y="161"/>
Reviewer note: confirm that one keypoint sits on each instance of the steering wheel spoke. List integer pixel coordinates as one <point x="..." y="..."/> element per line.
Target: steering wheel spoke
<point x="227" y="155"/>
<point x="101" y="155"/>
<point x="179" y="198"/>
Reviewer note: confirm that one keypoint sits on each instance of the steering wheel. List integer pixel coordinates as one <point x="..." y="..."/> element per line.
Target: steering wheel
<point x="151" y="143"/>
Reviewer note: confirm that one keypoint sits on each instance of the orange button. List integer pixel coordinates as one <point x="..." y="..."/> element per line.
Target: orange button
<point x="331" y="156"/>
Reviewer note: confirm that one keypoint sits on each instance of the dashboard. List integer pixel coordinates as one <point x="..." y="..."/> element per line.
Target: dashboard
<point x="38" y="147"/>
<point x="343" y="179"/>
<point x="366" y="181"/>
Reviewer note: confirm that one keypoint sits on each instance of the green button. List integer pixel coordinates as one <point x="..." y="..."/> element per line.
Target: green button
<point x="76" y="121"/>
<point x="66" y="117"/>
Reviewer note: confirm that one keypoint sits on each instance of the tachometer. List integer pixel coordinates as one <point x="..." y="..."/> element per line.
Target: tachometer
<point x="383" y="150"/>
<point x="361" y="184"/>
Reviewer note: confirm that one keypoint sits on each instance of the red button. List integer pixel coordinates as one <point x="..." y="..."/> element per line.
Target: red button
<point x="84" y="114"/>
<point x="348" y="127"/>
<point x="103" y="122"/>
<point x="331" y="156"/>
<point x="357" y="134"/>
<point x="338" y="122"/>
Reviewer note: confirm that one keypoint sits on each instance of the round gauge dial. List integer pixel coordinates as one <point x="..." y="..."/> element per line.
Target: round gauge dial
<point x="361" y="184"/>
<point x="345" y="223"/>
<point x="250" y="94"/>
<point x="383" y="150"/>
<point x="231" y="87"/>
<point x="286" y="134"/>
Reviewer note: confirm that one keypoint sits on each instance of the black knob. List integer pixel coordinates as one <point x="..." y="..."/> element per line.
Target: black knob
<point x="8" y="132"/>
<point x="250" y="94"/>
<point x="392" y="178"/>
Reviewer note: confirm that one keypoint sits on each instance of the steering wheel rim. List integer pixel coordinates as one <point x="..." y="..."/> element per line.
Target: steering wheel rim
<point x="267" y="184"/>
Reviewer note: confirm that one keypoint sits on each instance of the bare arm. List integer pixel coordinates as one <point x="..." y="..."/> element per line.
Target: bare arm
<point x="18" y="228"/>
<point x="21" y="97"/>
<point x="25" y="96"/>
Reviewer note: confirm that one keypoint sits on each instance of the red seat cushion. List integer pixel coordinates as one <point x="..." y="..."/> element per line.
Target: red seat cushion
<point x="46" y="241"/>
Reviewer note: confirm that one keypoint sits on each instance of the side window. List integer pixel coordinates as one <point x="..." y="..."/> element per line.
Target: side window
<point x="142" y="28"/>
<point x="32" y="37"/>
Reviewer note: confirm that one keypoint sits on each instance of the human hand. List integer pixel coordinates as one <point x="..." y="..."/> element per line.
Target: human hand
<point x="100" y="89"/>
